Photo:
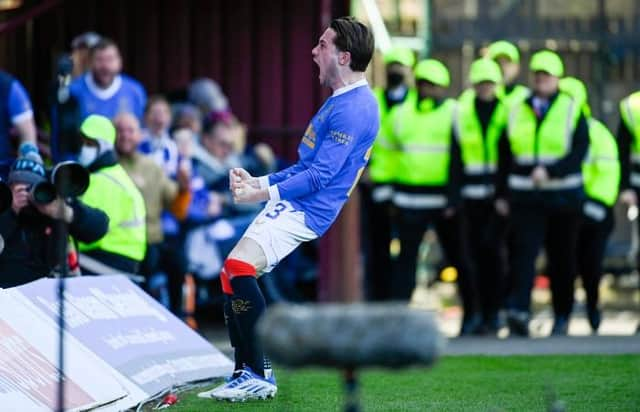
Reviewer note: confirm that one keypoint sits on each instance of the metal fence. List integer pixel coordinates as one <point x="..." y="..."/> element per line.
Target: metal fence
<point x="599" y="40"/>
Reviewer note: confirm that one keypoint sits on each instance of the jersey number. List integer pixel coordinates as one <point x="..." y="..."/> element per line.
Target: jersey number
<point x="279" y="208"/>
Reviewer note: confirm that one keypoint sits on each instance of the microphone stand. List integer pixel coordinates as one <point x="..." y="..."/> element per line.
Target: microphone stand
<point x="62" y="230"/>
<point x="60" y="107"/>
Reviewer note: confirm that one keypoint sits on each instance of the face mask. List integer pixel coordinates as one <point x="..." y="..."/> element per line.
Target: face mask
<point x="394" y="79"/>
<point x="88" y="155"/>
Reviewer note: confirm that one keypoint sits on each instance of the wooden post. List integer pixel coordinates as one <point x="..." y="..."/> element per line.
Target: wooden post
<point x="340" y="269"/>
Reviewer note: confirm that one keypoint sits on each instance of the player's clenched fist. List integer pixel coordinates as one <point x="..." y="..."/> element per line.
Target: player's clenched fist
<point x="246" y="193"/>
<point x="239" y="175"/>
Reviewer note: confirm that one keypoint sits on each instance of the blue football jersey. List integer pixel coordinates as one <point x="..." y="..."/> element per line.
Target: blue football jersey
<point x="333" y="153"/>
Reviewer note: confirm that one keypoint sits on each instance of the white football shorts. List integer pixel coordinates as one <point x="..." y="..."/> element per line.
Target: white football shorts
<point x="279" y="229"/>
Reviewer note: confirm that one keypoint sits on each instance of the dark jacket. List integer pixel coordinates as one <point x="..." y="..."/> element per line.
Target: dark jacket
<point x="32" y="244"/>
<point x="570" y="164"/>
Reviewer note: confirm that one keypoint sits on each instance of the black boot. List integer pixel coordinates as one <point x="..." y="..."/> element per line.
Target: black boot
<point x="595" y="318"/>
<point x="560" y="326"/>
<point x="518" y="322"/>
<point x="471" y="325"/>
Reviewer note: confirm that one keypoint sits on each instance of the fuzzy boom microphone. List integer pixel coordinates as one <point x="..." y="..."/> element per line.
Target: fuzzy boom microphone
<point x="350" y="336"/>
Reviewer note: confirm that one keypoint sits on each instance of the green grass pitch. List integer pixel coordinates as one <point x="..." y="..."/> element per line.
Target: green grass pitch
<point x="460" y="383"/>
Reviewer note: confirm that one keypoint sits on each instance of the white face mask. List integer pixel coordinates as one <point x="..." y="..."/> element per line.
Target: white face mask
<point x="88" y="155"/>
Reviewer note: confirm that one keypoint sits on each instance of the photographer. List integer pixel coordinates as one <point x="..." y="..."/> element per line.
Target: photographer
<point x="31" y="230"/>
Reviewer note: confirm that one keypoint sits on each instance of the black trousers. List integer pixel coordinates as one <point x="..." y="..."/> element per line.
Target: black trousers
<point x="411" y="225"/>
<point x="376" y="237"/>
<point x="592" y="242"/>
<point x="486" y="233"/>
<point x="168" y="257"/>
<point x="557" y="229"/>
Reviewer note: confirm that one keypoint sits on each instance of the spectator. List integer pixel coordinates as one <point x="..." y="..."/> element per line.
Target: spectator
<point x="203" y="207"/>
<point x="32" y="246"/>
<point x="80" y="50"/>
<point x="377" y="185"/>
<point x="427" y="191"/>
<point x="540" y="174"/>
<point x="110" y="188"/>
<point x="16" y="116"/>
<point x="187" y="116"/>
<point x="223" y="148"/>
<point x="159" y="193"/>
<point x="507" y="56"/>
<point x="479" y="122"/>
<point x="156" y="141"/>
<point x="104" y="90"/>
<point x="629" y="154"/>
<point x="217" y="155"/>
<point x="601" y="173"/>
<point x="207" y="95"/>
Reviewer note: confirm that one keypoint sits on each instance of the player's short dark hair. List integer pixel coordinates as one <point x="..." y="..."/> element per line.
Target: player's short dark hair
<point x="355" y="38"/>
<point x="103" y="43"/>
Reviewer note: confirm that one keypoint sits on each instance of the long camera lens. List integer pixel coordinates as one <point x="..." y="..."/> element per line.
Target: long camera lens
<point x="70" y="179"/>
<point x="43" y="193"/>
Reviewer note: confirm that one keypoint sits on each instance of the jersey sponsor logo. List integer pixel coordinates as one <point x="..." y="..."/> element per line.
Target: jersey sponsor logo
<point x="340" y="137"/>
<point x="309" y="137"/>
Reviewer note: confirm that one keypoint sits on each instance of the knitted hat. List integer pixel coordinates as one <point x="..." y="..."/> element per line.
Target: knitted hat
<point x="27" y="169"/>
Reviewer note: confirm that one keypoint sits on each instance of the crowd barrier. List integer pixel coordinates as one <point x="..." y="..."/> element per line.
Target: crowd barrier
<point x="121" y="346"/>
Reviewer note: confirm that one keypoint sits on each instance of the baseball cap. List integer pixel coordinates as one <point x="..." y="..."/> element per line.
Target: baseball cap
<point x="434" y="71"/>
<point x="503" y="48"/>
<point x="576" y="88"/>
<point x="548" y="62"/>
<point x="485" y="70"/>
<point x="401" y="55"/>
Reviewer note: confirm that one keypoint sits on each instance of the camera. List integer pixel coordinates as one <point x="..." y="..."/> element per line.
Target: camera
<point x="68" y="179"/>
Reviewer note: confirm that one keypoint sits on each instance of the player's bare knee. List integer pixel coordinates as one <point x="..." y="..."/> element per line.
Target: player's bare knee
<point x="249" y="251"/>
